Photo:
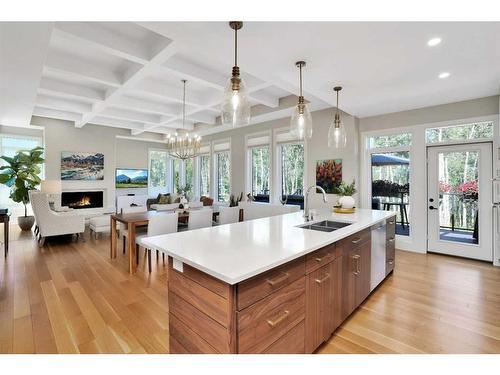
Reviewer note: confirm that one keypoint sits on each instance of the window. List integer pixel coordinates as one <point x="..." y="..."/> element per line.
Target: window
<point x="176" y="176"/>
<point x="259" y="163"/>
<point x="189" y="175"/>
<point x="223" y="169"/>
<point x="390" y="183"/>
<point x="475" y="131"/>
<point x="391" y="140"/>
<point x="204" y="175"/>
<point x="292" y="172"/>
<point x="9" y="145"/>
<point x="158" y="172"/>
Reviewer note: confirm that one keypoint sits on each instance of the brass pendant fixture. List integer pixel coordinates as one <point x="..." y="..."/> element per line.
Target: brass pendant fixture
<point x="337" y="137"/>
<point x="182" y="145"/>
<point x="301" y="120"/>
<point x="235" y="108"/>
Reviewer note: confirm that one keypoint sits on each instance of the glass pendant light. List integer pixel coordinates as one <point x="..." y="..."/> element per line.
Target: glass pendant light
<point x="183" y="146"/>
<point x="301" y="121"/>
<point x="336" y="133"/>
<point x="235" y="105"/>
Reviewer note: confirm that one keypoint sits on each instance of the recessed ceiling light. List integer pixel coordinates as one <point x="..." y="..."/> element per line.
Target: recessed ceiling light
<point x="444" y="75"/>
<point x="434" y="42"/>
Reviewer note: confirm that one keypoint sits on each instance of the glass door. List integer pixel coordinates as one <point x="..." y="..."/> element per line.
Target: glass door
<point x="460" y="200"/>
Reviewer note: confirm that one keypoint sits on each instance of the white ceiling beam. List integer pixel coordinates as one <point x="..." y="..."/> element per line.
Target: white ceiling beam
<point x="202" y="117"/>
<point x="132" y="79"/>
<point x="116" y="123"/>
<point x="54" y="113"/>
<point x="196" y="73"/>
<point x="96" y="36"/>
<point x="75" y="67"/>
<point x="23" y="47"/>
<point x="131" y="115"/>
<point x="142" y="105"/>
<point x="162" y="91"/>
<point x="57" y="88"/>
<point x="45" y="101"/>
<point x="265" y="98"/>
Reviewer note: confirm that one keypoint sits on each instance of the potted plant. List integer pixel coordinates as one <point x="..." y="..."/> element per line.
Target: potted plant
<point x="346" y="191"/>
<point x="21" y="175"/>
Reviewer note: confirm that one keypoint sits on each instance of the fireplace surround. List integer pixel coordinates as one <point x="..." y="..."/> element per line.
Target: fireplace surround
<point x="83" y="199"/>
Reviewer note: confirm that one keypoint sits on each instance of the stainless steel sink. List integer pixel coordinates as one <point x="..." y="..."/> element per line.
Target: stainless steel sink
<point x="325" y="226"/>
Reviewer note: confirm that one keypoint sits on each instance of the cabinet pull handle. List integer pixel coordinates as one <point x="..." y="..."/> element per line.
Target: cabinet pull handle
<point x="318" y="259"/>
<point x="279" y="319"/>
<point x="391" y="262"/>
<point x="278" y="279"/>
<point x="356" y="240"/>
<point x="320" y="281"/>
<point x="391" y="239"/>
<point x="391" y="222"/>
<point x="356" y="258"/>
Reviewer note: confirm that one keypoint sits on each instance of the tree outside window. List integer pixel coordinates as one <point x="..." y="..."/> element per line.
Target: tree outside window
<point x="223" y="176"/>
<point x="292" y="169"/>
<point x="260" y="171"/>
<point x="205" y="175"/>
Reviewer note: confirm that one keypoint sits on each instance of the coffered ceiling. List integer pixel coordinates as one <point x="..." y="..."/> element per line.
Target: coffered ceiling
<point x="128" y="75"/>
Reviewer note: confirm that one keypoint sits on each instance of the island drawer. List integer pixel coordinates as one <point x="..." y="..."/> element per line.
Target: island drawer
<point x="354" y="241"/>
<point x="260" y="286"/>
<point x="266" y="321"/>
<point x="320" y="257"/>
<point x="293" y="342"/>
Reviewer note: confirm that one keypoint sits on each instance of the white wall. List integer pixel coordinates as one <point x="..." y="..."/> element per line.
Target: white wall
<point x="64" y="136"/>
<point x="416" y="121"/>
<point x="316" y="149"/>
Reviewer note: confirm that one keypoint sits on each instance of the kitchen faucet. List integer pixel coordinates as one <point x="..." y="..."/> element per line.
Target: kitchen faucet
<point x="306" y="204"/>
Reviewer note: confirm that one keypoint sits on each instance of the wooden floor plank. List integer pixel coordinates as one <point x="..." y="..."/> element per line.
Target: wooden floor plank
<point x="71" y="297"/>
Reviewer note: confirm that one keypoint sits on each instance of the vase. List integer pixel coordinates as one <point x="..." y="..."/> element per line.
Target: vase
<point x="26" y="222"/>
<point x="347" y="202"/>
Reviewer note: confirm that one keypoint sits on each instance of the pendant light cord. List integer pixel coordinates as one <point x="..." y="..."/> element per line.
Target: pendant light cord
<point x="337" y="102"/>
<point x="300" y="74"/>
<point x="184" y="104"/>
<point x="235" y="47"/>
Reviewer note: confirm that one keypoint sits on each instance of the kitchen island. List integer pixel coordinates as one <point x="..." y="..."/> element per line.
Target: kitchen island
<point x="269" y="285"/>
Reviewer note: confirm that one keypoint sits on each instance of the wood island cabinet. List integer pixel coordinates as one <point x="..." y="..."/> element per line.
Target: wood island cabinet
<point x="292" y="308"/>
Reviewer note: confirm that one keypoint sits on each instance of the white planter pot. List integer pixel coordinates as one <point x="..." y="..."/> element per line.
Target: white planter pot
<point x="347" y="202"/>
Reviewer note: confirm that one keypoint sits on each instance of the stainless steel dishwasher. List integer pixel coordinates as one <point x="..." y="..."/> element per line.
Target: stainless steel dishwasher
<point x="378" y="254"/>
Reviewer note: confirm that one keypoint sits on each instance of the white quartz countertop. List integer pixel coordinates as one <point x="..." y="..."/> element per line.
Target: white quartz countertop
<point x="236" y="252"/>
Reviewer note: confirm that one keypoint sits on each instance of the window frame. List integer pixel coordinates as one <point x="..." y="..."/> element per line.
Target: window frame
<point x="248" y="159"/>
<point x="168" y="175"/>
<point x="215" y="166"/>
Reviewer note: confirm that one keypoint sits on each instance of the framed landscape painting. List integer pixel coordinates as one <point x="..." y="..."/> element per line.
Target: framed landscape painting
<point x="82" y="166"/>
<point x="329" y="174"/>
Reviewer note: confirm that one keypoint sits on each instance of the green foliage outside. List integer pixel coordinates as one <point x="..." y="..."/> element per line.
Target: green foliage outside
<point x="205" y="175"/>
<point x="158" y="168"/>
<point x="21" y="174"/>
<point x="292" y="162"/>
<point x="223" y="176"/>
<point x="260" y="170"/>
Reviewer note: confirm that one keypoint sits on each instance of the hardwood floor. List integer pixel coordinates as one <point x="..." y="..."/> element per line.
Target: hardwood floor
<point x="69" y="297"/>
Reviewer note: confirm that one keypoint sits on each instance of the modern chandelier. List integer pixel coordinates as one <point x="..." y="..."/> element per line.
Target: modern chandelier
<point x="182" y="145"/>
<point x="235" y="109"/>
<point x="301" y="121"/>
<point x="336" y="133"/>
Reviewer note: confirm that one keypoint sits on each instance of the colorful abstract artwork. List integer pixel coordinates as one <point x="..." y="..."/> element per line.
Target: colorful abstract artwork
<point x="329" y="174"/>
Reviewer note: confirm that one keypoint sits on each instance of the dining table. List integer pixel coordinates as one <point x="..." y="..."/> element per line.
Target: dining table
<point x="139" y="219"/>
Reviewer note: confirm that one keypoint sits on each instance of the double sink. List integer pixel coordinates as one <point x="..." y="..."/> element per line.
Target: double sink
<point x="325" y="226"/>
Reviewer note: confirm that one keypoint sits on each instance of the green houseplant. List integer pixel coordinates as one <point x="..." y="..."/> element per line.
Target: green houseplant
<point x="20" y="174"/>
<point x="346" y="191"/>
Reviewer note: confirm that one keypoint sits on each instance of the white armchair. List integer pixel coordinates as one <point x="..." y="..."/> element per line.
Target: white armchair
<point x="51" y="223"/>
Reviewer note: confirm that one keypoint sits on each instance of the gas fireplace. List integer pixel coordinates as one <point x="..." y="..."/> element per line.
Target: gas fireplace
<point x="82" y="199"/>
